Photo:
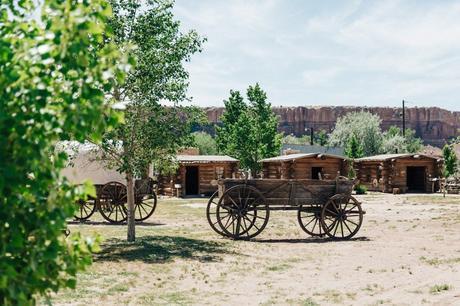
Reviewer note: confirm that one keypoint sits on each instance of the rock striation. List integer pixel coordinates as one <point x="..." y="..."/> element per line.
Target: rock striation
<point x="433" y="124"/>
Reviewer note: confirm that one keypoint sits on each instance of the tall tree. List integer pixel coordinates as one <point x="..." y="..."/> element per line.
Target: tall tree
<point x="153" y="131"/>
<point x="354" y="148"/>
<point x="395" y="142"/>
<point x="364" y="125"/>
<point x="249" y="131"/>
<point x="450" y="160"/>
<point x="52" y="88"/>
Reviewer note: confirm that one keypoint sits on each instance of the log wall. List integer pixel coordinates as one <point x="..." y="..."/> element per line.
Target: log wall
<point x="386" y="175"/>
<point x="207" y="175"/>
<point x="302" y="168"/>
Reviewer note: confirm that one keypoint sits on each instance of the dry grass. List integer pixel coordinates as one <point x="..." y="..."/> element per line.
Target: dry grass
<point x="401" y="250"/>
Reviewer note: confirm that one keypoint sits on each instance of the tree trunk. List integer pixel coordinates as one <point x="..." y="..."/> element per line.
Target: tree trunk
<point x="131" y="221"/>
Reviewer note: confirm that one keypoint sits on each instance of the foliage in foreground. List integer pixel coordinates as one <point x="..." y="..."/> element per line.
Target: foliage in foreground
<point x="249" y="131"/>
<point x="52" y="85"/>
<point x="151" y="132"/>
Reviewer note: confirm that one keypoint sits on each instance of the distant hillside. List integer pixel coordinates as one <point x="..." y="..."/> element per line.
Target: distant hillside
<point x="433" y="124"/>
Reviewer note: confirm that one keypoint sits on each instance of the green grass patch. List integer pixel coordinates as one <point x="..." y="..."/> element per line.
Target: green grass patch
<point x="439" y="288"/>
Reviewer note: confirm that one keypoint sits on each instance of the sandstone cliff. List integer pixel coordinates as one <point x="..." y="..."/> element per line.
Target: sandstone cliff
<point x="433" y="124"/>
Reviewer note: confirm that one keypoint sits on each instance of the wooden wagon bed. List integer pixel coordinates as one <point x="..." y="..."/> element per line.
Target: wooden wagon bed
<point x="241" y="208"/>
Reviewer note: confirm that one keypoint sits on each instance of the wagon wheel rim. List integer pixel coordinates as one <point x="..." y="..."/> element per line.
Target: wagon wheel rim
<point x="309" y="218"/>
<point x="341" y="217"/>
<point x="113" y="204"/>
<point x="145" y="200"/>
<point x="211" y="214"/>
<point x="242" y="212"/>
<point x="85" y="209"/>
<point x="145" y="207"/>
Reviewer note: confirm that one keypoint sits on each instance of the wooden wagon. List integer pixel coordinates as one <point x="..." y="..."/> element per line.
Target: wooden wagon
<point x="111" y="201"/>
<point x="240" y="209"/>
<point x="111" y="192"/>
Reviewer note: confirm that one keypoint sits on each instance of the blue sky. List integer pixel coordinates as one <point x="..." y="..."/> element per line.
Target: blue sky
<point x="369" y="53"/>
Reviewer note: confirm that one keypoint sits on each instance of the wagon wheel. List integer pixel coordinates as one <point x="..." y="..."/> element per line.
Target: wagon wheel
<point x="242" y="212"/>
<point x="85" y="209"/>
<point x="341" y="216"/>
<point x="145" y="201"/>
<point x="309" y="218"/>
<point x="113" y="202"/>
<point x="211" y="213"/>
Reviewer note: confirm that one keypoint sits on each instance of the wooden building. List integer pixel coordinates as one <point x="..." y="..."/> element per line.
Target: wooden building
<point x="197" y="175"/>
<point x="304" y="166"/>
<point x="399" y="172"/>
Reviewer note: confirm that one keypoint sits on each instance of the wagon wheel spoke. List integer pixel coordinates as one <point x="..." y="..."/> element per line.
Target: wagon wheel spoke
<point x="254" y="222"/>
<point x="341" y="228"/>
<point x="138" y="207"/>
<point x="346" y="225"/>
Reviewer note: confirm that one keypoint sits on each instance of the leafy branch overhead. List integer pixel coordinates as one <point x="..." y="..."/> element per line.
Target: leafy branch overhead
<point x="53" y="83"/>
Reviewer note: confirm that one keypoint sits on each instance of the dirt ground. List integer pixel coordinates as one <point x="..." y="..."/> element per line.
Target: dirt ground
<point x="406" y="253"/>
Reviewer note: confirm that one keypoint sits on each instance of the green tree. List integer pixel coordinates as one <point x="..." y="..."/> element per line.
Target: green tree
<point x="249" y="131"/>
<point x="354" y="148"/>
<point x="364" y="125"/>
<point x="205" y="143"/>
<point x="450" y="160"/>
<point x="152" y="131"/>
<point x="291" y="139"/>
<point x="394" y="142"/>
<point x="52" y="87"/>
<point x="320" y="138"/>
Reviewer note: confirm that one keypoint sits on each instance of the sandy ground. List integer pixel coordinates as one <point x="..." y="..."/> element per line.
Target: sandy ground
<point x="406" y="253"/>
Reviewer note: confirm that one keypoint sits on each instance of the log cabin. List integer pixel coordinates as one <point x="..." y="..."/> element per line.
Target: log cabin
<point x="304" y="166"/>
<point x="197" y="175"/>
<point x="399" y="173"/>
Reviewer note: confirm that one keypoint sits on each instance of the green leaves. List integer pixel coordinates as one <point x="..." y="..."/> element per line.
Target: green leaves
<point x="364" y="126"/>
<point x="450" y="160"/>
<point x="249" y="131"/>
<point x="53" y="82"/>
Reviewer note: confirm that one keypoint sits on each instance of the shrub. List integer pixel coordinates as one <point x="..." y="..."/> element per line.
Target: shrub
<point x="360" y="189"/>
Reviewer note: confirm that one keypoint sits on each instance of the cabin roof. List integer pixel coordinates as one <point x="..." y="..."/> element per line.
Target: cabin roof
<point x="384" y="157"/>
<point x="295" y="156"/>
<point x="203" y="159"/>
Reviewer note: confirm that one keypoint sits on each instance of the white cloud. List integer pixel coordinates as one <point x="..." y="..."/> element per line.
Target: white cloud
<point x="369" y="52"/>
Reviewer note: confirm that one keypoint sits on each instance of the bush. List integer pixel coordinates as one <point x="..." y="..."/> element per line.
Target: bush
<point x="361" y="189"/>
<point x="52" y="89"/>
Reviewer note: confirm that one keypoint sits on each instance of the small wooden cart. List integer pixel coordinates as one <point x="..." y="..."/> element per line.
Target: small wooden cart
<point x="240" y="209"/>
<point x="111" y="193"/>
<point x="111" y="201"/>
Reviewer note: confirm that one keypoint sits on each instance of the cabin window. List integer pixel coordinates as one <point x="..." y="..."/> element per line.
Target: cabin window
<point x="317" y="173"/>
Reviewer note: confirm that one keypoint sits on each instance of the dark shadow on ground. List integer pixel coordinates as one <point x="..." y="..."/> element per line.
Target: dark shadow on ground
<point x="75" y="222"/>
<point x="310" y="240"/>
<point x="161" y="249"/>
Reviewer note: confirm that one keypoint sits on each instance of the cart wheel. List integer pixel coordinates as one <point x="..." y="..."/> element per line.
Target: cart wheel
<point x="145" y="206"/>
<point x="341" y="217"/>
<point x="242" y="212"/>
<point x="85" y="209"/>
<point x="211" y="213"/>
<point x="113" y="202"/>
<point x="309" y="218"/>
